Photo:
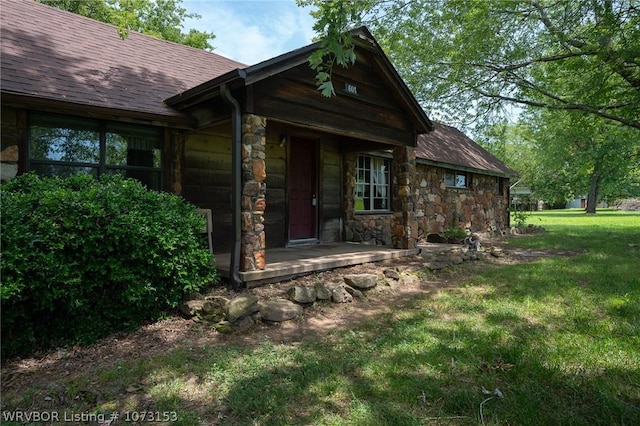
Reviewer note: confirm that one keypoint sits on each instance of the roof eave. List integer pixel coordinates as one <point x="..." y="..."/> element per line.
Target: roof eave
<point x="207" y="90"/>
<point x="452" y="166"/>
<point x="36" y="101"/>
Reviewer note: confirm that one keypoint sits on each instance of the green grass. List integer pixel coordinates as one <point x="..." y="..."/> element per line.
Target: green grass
<point x="559" y="337"/>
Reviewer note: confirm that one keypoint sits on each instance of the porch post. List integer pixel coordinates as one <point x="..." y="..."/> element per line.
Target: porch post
<point x="252" y="250"/>
<point x="405" y="224"/>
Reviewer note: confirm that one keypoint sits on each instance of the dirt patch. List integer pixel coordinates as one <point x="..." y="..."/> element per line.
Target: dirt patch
<point x="318" y="320"/>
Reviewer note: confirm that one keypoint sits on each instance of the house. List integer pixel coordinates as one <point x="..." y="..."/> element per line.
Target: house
<point x="521" y="198"/>
<point x="276" y="163"/>
<point x="458" y="183"/>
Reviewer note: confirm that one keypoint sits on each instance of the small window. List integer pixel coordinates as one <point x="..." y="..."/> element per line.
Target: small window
<point x="456" y="179"/>
<point x="372" y="184"/>
<point x="500" y="185"/>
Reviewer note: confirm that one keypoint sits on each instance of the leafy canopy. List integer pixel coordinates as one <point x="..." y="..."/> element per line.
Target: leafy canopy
<point x="159" y="18"/>
<point x="469" y="60"/>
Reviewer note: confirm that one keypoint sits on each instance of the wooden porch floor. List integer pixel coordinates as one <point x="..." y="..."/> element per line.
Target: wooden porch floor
<point x="285" y="263"/>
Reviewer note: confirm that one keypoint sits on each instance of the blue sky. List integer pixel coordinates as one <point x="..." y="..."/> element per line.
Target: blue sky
<point x="251" y="31"/>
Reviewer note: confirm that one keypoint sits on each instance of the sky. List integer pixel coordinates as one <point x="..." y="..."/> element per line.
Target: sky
<point x="251" y="31"/>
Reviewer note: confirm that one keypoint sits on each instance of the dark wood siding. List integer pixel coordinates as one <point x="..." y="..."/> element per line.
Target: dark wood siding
<point x="331" y="187"/>
<point x="373" y="113"/>
<point x="207" y="180"/>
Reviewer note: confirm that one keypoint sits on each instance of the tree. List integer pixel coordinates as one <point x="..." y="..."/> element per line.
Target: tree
<point x="159" y="18"/>
<point x="561" y="155"/>
<point x="469" y="60"/>
<point x="581" y="154"/>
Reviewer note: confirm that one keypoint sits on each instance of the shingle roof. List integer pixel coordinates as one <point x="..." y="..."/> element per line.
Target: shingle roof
<point x="57" y="55"/>
<point x="446" y="144"/>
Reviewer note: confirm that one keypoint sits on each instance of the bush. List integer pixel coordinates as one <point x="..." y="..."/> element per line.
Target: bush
<point x="629" y="204"/>
<point x="82" y="258"/>
<point x="520" y="217"/>
<point x="455" y="235"/>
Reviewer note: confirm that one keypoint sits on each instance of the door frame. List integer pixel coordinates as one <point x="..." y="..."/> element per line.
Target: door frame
<point x="315" y="239"/>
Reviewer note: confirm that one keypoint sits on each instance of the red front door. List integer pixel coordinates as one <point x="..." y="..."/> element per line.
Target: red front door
<point x="302" y="189"/>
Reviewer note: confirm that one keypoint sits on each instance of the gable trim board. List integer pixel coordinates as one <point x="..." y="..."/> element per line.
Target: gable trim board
<point x="224" y="123"/>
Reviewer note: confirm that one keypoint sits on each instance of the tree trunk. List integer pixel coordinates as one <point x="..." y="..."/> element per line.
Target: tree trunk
<point x="594" y="190"/>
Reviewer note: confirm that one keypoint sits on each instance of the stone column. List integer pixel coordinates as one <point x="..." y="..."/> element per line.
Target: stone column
<point x="252" y="250"/>
<point x="405" y="224"/>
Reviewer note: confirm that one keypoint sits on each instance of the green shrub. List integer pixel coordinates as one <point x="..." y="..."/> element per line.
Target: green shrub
<point x="454" y="234"/>
<point x="82" y="258"/>
<point x="520" y="217"/>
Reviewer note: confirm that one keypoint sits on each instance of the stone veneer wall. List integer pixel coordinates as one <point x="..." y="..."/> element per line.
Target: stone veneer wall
<point x="479" y="208"/>
<point x="252" y="251"/>
<point x="405" y="225"/>
<point x="398" y="228"/>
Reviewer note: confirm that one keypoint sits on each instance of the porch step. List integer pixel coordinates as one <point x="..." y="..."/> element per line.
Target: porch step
<point x="285" y="263"/>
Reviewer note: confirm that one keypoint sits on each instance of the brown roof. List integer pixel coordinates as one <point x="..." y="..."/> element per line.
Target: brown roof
<point x="57" y="55"/>
<point x="446" y="144"/>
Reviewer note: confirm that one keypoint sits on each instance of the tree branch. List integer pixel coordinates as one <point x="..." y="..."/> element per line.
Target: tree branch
<point x="543" y="59"/>
<point x="566" y="106"/>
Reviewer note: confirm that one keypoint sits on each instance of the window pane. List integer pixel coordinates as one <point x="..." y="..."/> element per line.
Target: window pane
<point x="372" y="184"/>
<point x="64" y="139"/>
<point x="461" y="181"/>
<point x="380" y="204"/>
<point x="449" y="179"/>
<point x="133" y="146"/>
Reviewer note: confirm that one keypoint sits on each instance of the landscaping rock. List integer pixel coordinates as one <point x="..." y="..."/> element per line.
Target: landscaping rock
<point x="392" y="273"/>
<point x="244" y="323"/>
<point x="361" y="281"/>
<point x="279" y="310"/>
<point x="191" y="308"/>
<point x="193" y="296"/>
<point x="214" y="309"/>
<point x="322" y="292"/>
<point x="302" y="294"/>
<point x="435" y="265"/>
<point x="223" y="327"/>
<point x="354" y="292"/>
<point x="241" y="306"/>
<point x="496" y="252"/>
<point x="340" y="295"/>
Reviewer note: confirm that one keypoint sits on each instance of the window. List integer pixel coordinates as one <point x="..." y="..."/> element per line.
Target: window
<point x="372" y="184"/>
<point x="456" y="179"/>
<point x="66" y="145"/>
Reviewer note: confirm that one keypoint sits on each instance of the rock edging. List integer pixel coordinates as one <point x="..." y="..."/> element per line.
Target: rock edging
<point x="246" y="310"/>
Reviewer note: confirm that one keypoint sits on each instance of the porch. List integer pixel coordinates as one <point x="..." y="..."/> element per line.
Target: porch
<point x="288" y="262"/>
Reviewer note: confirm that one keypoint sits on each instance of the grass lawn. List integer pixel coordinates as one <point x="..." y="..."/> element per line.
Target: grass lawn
<point x="554" y="341"/>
